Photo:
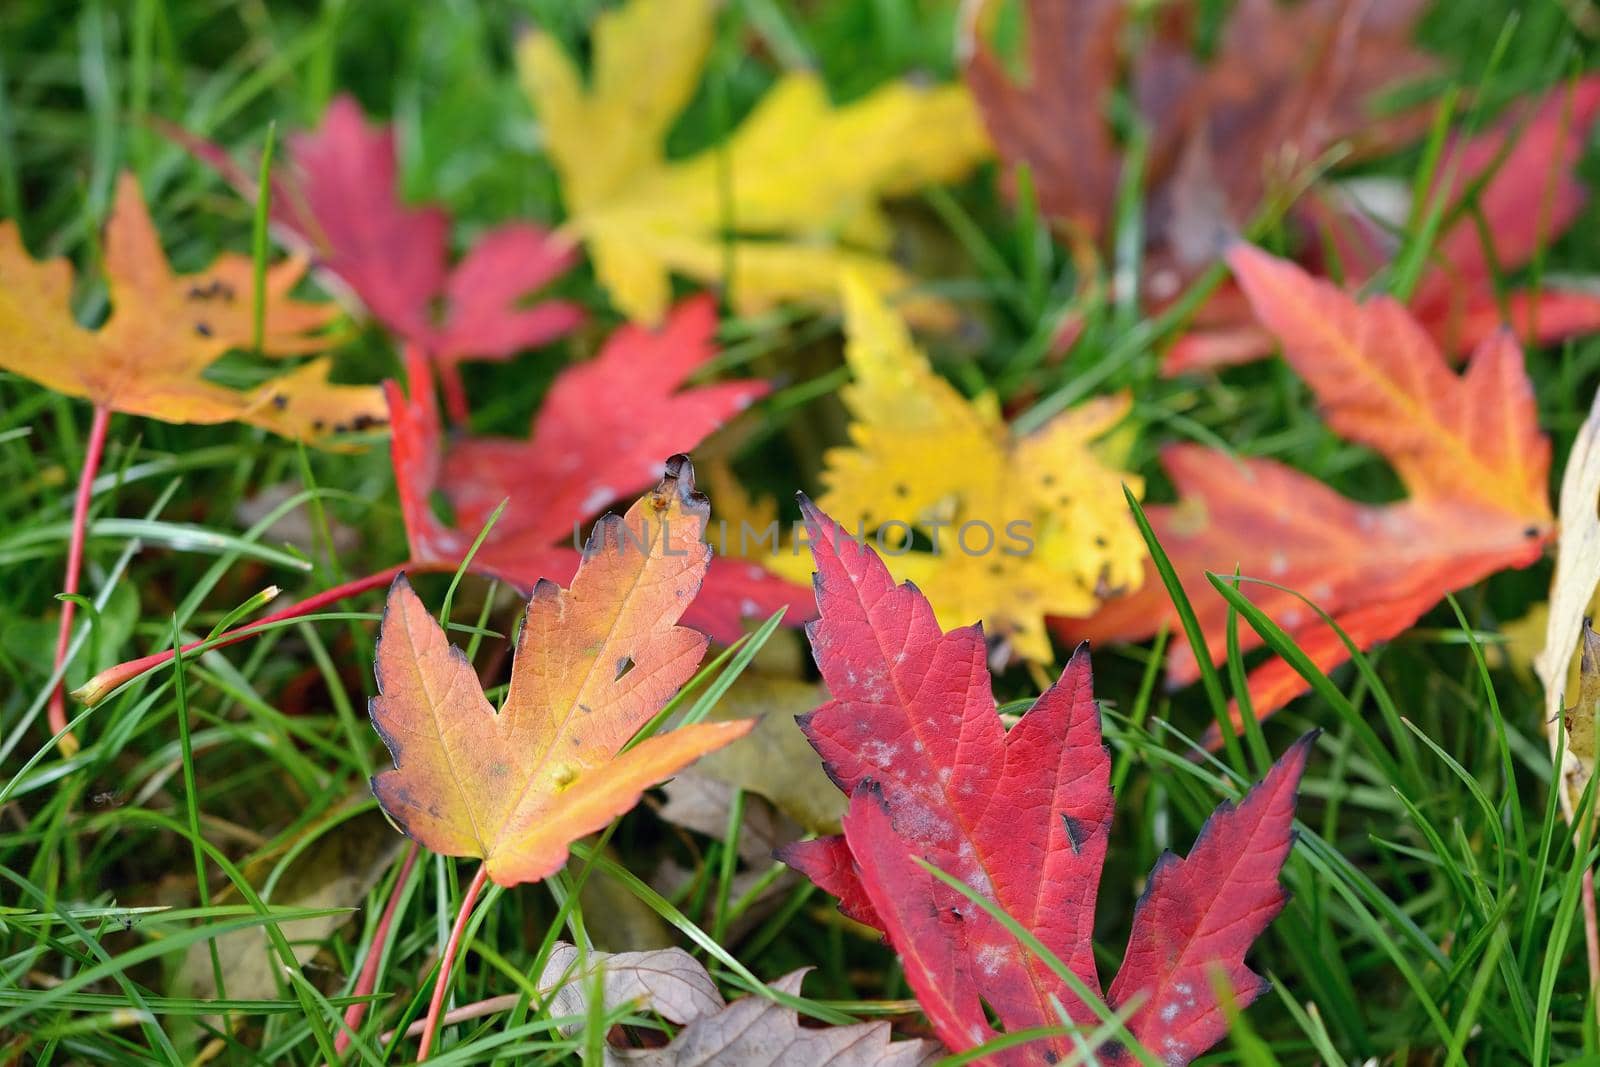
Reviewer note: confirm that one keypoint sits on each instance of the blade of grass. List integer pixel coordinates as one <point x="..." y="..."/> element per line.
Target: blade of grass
<point x="191" y="802"/>
<point x="1281" y="643"/>
<point x="1209" y="679"/>
<point x="258" y="240"/>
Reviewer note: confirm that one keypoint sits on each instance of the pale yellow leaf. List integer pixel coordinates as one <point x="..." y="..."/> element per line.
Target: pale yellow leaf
<point x="1571" y="590"/>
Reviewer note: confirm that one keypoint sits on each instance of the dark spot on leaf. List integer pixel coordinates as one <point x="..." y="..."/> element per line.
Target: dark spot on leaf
<point x="280" y="401"/>
<point x="216" y="289"/>
<point x="1531" y="532"/>
<point x="1074" y="833"/>
<point x="586" y="709"/>
<point x="203" y="329"/>
<point x="624" y="665"/>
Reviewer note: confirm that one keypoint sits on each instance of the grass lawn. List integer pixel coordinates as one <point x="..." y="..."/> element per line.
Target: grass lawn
<point x="1435" y="915"/>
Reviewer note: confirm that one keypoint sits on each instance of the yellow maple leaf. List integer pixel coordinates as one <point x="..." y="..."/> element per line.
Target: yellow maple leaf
<point x="789" y="200"/>
<point x="1013" y="528"/>
<point x="166" y="329"/>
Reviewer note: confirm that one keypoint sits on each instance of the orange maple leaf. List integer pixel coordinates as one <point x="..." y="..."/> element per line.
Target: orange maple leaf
<point x="165" y="330"/>
<point x="1466" y="447"/>
<point x="593" y="664"/>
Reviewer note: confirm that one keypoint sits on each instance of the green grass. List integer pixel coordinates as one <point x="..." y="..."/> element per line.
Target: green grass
<point x="1434" y="916"/>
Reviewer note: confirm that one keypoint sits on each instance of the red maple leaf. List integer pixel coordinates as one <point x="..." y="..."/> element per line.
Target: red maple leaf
<point x="1285" y="82"/>
<point x="598" y="437"/>
<point x="337" y="197"/>
<point x="1522" y="176"/>
<point x="913" y="736"/>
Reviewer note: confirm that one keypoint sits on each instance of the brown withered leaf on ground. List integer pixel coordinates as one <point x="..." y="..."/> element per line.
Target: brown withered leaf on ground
<point x="753" y="1031"/>
<point x="757" y="1032"/>
<point x="774" y="760"/>
<point x="787" y="793"/>
<point x="695" y="802"/>
<point x="667" y="982"/>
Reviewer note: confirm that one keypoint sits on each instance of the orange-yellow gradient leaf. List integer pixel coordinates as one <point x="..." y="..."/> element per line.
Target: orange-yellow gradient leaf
<point x="166" y="329"/>
<point x="1467" y="449"/>
<point x="593" y="664"/>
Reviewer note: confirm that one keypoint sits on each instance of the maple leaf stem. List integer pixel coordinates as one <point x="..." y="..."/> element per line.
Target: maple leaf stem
<point x="1591" y="936"/>
<point x="368" y="979"/>
<point x="441" y="986"/>
<point x="455" y="391"/>
<point x="94" y="449"/>
<point x="96" y="688"/>
<point x="466" y="1013"/>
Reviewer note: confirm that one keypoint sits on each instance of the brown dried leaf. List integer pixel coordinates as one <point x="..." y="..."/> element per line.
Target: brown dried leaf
<point x="757" y="1032"/>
